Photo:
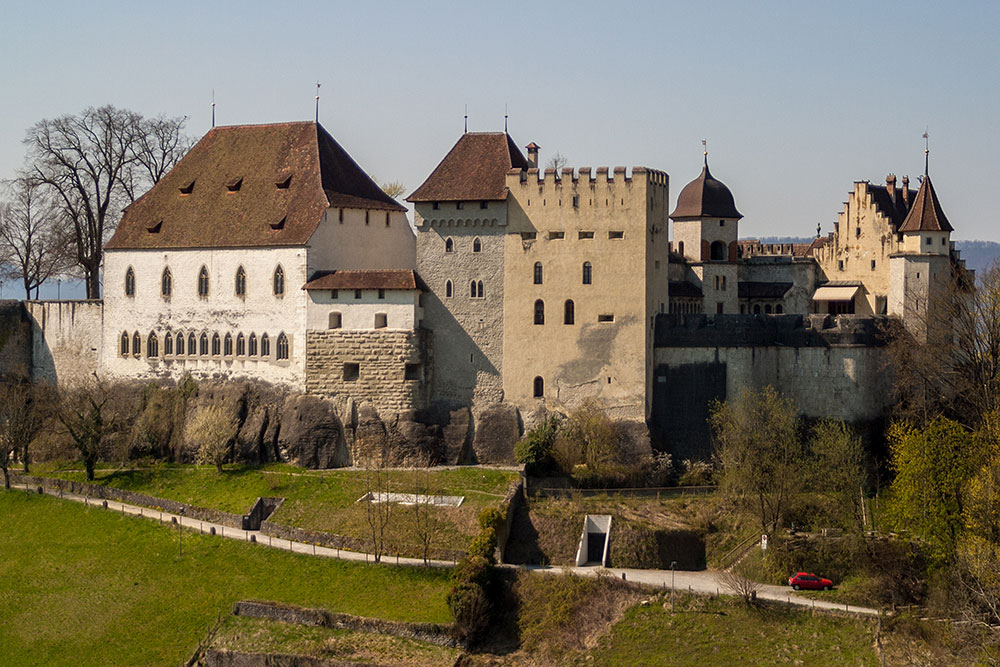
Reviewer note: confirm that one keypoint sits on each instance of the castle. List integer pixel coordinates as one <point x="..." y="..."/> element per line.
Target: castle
<point x="268" y="253"/>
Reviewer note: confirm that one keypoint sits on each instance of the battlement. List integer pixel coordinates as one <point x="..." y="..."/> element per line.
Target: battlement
<point x="768" y="330"/>
<point x="552" y="179"/>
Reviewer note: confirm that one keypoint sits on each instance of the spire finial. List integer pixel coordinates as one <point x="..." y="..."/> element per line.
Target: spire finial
<point x="704" y="150"/>
<point x="927" y="150"/>
<point x="505" y="118"/>
<point x="317" y="100"/>
<point x="466" y="118"/>
<point x="819" y="229"/>
<point x="213" y="107"/>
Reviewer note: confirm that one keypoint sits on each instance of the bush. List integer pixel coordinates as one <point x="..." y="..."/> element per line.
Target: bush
<point x="534" y="450"/>
<point x="471" y="609"/>
<point x="695" y="473"/>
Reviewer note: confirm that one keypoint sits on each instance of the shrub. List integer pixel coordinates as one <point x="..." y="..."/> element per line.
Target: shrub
<point x="469" y="599"/>
<point x="534" y="450"/>
<point x="484" y="544"/>
<point x="695" y="473"/>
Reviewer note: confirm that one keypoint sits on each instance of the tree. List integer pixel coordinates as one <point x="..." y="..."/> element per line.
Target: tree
<point x="30" y="236"/>
<point x="838" y="457"/>
<point x="394" y="189"/>
<point x="91" y="413"/>
<point x="95" y="163"/>
<point x="212" y="429"/>
<point x="20" y="420"/>
<point x="557" y="162"/>
<point x="425" y="518"/>
<point x="378" y="508"/>
<point x="933" y="464"/>
<point x="759" y="452"/>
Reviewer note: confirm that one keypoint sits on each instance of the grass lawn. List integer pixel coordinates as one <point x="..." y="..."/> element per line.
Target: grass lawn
<point x="720" y="631"/>
<point x="82" y="586"/>
<point x="321" y="500"/>
<point x="254" y="635"/>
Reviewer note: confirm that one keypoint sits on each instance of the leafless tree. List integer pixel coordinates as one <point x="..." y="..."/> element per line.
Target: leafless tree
<point x="741" y="580"/>
<point x="92" y="413"/>
<point x="212" y="429"/>
<point x="96" y="162"/>
<point x="425" y="519"/>
<point x="394" y="189"/>
<point x="20" y="420"/>
<point x="378" y="509"/>
<point x="557" y="161"/>
<point x="31" y="240"/>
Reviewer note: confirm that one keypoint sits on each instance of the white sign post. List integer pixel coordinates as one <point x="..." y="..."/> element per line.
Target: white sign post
<point x="763" y="542"/>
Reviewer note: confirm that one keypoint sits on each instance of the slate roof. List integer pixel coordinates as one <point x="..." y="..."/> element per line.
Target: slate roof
<point x="403" y="279"/>
<point x="683" y="289"/>
<point x="762" y="290"/>
<point x="705" y="196"/>
<point x="250" y="185"/>
<point x="475" y="169"/>
<point x="926" y="214"/>
<point x="892" y="206"/>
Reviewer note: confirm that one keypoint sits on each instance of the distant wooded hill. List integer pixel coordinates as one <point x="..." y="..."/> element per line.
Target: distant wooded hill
<point x="978" y="255"/>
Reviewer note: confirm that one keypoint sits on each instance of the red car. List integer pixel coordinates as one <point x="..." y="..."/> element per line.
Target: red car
<point x="805" y="580"/>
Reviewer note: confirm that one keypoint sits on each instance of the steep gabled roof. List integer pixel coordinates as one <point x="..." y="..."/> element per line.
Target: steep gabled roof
<point x="250" y="185"/>
<point x="926" y="214"/>
<point x="475" y="169"/>
<point x="399" y="279"/>
<point x="893" y="206"/>
<point x="705" y="197"/>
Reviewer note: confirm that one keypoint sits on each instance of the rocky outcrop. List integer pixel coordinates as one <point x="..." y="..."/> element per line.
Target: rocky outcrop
<point x="310" y="433"/>
<point x="497" y="429"/>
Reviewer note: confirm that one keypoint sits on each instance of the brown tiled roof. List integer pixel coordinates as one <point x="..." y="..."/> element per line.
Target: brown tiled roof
<point x="232" y="189"/>
<point x="475" y="169"/>
<point x="748" y="289"/>
<point x="705" y="196"/>
<point x="395" y="279"/>
<point x="926" y="214"/>
<point x="682" y="289"/>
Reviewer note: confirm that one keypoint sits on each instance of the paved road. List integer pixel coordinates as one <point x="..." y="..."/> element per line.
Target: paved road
<point x="704" y="581"/>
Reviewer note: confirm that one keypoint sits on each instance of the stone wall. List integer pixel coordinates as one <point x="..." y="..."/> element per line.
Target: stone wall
<point x="15" y="341"/>
<point x="66" y="340"/>
<point x="391" y="367"/>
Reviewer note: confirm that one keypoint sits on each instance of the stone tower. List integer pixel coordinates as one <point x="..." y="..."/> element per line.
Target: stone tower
<point x="706" y="231"/>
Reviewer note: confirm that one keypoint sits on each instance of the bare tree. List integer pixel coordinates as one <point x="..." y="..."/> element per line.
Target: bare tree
<point x="91" y="413"/>
<point x="557" y="161"/>
<point x="30" y="237"/>
<point x="378" y="509"/>
<point x="20" y="420"/>
<point x="213" y="429"/>
<point x="394" y="189"/>
<point x="741" y="580"/>
<point x="425" y="519"/>
<point x="95" y="162"/>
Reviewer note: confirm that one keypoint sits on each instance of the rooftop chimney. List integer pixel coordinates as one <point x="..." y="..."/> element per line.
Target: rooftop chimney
<point x="906" y="190"/>
<point x="533" y="154"/>
<point x="890" y="186"/>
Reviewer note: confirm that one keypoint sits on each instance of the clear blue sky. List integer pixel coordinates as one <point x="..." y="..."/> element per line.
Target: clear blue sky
<point x="797" y="99"/>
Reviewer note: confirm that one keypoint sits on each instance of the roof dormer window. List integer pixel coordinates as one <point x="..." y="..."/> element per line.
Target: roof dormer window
<point x="155" y="228"/>
<point x="280" y="224"/>
<point x="187" y="189"/>
<point x="284" y="183"/>
<point x="235" y="184"/>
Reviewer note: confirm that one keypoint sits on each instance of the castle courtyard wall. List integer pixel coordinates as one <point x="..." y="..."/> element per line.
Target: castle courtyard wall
<point x="66" y="340"/>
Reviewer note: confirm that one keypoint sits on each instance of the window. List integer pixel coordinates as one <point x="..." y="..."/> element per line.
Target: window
<point x="449" y="245"/>
<point x="576" y="201"/>
<point x="123" y="344"/>
<point x="717" y="282"/>
<point x="279" y="281"/>
<point x="335" y="321"/>
<point x="334" y="294"/>
<point x="241" y="345"/>
<point x="616" y="235"/>
<point x="480" y="292"/>
<point x="367" y="217"/>
<point x="722" y="223"/>
<point x="718" y="308"/>
<point x="166" y="283"/>
<point x="756" y="309"/>
<point x="216" y="344"/>
<point x="136" y="344"/>
<point x="539" y="312"/>
<point x="340" y="216"/>
<point x="556" y="236"/>
<point x="357" y="294"/>
<point x="680" y="248"/>
<point x="203" y="282"/>
<point x="435" y="205"/>
<point x="412" y="372"/>
<point x="381" y="320"/>
<point x="227" y="345"/>
<point x="538" y="387"/>
<point x="387" y="218"/>
<point x="873" y="265"/>
<point x="192" y="344"/>
<point x="857" y="231"/>
<point x="281" y="347"/>
<point x="767" y="309"/>
<point x="459" y="205"/>
<point x="588" y="273"/>
<point x="447" y="289"/>
<point x="381" y="293"/>
<point x="528" y="236"/>
<point x="477" y="245"/>
<point x="929" y="240"/>
<point x="472" y="289"/>
<point x="129" y="282"/>
<point x="168" y="344"/>
<point x="779" y="309"/>
<point x="717" y="252"/>
<point x="585" y="235"/>
<point x="153" y="346"/>
<point x="203" y="344"/>
<point x="241" y="282"/>
<point x="840" y="265"/>
<point x="607" y="317"/>
<point x="265" y="345"/>
<point x="352" y="372"/>
<point x="252" y="345"/>
<point x="283" y="185"/>
<point x="569" y="316"/>
<point x="538" y="273"/>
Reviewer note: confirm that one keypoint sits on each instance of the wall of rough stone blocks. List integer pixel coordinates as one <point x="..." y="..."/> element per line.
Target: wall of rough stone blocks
<point x="66" y="340"/>
<point x="15" y="341"/>
<point x="382" y="358"/>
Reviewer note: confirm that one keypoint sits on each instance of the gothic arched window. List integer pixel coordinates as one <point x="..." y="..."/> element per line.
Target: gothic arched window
<point x="472" y="289"/>
<point x="252" y="345"/>
<point x="203" y="344"/>
<point x="447" y="289"/>
<point x="192" y="344"/>
<point x="123" y="344"/>
<point x="227" y="345"/>
<point x="281" y="347"/>
<point x="203" y="282"/>
<point x="279" y="281"/>
<point x="241" y="282"/>
<point x="129" y="282"/>
<point x="265" y="346"/>
<point x="168" y="344"/>
<point x="477" y="245"/>
<point x="216" y="344"/>
<point x="152" y="346"/>
<point x="241" y="345"/>
<point x="136" y="344"/>
<point x="480" y="292"/>
<point x="179" y="343"/>
<point x="449" y="245"/>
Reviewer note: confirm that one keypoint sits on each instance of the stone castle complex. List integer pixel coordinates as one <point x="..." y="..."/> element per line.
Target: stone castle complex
<point x="268" y="254"/>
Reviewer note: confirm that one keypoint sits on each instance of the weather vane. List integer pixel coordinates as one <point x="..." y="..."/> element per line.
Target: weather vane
<point x="927" y="148"/>
<point x="704" y="150"/>
<point x="213" y="107"/>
